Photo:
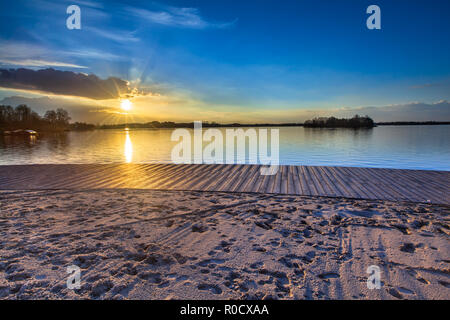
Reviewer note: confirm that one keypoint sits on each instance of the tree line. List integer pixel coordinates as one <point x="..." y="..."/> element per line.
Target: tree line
<point x="22" y="117"/>
<point x="332" y="122"/>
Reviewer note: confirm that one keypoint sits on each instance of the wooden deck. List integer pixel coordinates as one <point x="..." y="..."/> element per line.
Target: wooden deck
<point x="363" y="183"/>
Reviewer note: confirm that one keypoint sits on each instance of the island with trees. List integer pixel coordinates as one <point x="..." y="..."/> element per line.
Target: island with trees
<point x="332" y="122"/>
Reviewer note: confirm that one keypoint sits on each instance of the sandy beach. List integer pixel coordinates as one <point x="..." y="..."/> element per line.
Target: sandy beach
<point x="144" y="244"/>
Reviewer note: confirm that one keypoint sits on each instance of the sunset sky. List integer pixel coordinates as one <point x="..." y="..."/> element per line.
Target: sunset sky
<point x="228" y="61"/>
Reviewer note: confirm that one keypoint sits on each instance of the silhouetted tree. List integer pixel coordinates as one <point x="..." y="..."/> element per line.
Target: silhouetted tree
<point x="7" y="115"/>
<point x="22" y="117"/>
<point x="23" y="113"/>
<point x="62" y="117"/>
<point x="50" y="117"/>
<point x="332" y="122"/>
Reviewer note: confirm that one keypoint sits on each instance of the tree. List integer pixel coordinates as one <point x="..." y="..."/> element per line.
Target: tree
<point x="22" y="117"/>
<point x="7" y="115"/>
<point x="332" y="122"/>
<point x="3" y="117"/>
<point x="23" y="113"/>
<point x="50" y="116"/>
<point x="62" y="117"/>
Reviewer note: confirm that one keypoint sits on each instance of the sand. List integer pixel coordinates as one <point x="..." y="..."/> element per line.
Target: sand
<point x="144" y="244"/>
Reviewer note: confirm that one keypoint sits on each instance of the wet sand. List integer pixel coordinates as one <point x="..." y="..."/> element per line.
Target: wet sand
<point x="144" y="244"/>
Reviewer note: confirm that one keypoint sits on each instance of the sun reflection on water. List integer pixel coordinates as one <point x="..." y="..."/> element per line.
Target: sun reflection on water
<point x="128" y="150"/>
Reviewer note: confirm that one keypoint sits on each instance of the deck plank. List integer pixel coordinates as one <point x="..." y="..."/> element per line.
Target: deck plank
<point x="246" y="186"/>
<point x="340" y="180"/>
<point x="311" y="186"/>
<point x="347" y="182"/>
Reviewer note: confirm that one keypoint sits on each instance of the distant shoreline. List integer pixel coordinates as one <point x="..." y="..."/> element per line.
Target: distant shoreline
<point x="241" y="125"/>
<point x="173" y="125"/>
<point x="22" y="120"/>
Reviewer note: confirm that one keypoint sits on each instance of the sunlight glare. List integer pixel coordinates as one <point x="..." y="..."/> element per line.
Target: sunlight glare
<point x="126" y="105"/>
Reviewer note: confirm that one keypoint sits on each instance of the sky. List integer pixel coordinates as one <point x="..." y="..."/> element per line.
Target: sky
<point x="228" y="61"/>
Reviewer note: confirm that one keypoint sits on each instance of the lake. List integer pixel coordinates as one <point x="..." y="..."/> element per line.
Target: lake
<point x="405" y="147"/>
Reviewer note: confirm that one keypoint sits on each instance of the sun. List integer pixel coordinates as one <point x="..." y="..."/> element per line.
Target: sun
<point x="126" y="105"/>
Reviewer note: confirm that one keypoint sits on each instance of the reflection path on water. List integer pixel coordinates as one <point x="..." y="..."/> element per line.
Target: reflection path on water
<point x="128" y="149"/>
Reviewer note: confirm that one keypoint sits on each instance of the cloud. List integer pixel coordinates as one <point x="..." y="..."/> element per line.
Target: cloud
<point x="64" y="83"/>
<point x="24" y="54"/>
<point x="177" y="17"/>
<point x="429" y="85"/>
<point x="87" y="53"/>
<point x="88" y="3"/>
<point x="413" y="111"/>
<point x="38" y="63"/>
<point x="115" y="35"/>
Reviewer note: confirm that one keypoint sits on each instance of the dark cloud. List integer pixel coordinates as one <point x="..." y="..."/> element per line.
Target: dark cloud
<point x="64" y="83"/>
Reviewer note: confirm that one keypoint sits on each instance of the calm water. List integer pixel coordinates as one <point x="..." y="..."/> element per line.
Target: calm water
<point x="407" y="147"/>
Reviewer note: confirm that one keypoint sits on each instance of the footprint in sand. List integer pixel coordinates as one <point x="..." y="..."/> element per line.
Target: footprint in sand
<point x="309" y="257"/>
<point x="199" y="228"/>
<point x="405" y="291"/>
<point x="85" y="261"/>
<point x="224" y="245"/>
<point x="209" y="262"/>
<point x="256" y="265"/>
<point x="18" y="276"/>
<point x="211" y="287"/>
<point x="282" y="282"/>
<point x="328" y="275"/>
<point x="418" y="276"/>
<point x="153" y="277"/>
<point x="180" y="258"/>
<point x="393" y="292"/>
<point x="408" y="247"/>
<point x="101" y="288"/>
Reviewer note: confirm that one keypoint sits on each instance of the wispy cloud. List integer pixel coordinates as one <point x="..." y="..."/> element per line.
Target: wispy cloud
<point x="24" y="54"/>
<point x="15" y="50"/>
<point x="177" y="17"/>
<point x="15" y="53"/>
<point x="87" y="3"/>
<point x="87" y="53"/>
<point x="114" y="35"/>
<point x="424" y="85"/>
<point x="38" y="63"/>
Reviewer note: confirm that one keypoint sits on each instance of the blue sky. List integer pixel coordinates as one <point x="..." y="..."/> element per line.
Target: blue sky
<point x="251" y="59"/>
